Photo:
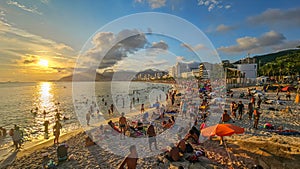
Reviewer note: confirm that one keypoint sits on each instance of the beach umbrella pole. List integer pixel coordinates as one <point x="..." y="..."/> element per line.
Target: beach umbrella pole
<point x="226" y="149"/>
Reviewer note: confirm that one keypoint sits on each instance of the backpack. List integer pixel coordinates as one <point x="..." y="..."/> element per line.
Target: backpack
<point x="62" y="152"/>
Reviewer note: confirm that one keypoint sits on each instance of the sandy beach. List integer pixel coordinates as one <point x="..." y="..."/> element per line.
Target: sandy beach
<point x="256" y="146"/>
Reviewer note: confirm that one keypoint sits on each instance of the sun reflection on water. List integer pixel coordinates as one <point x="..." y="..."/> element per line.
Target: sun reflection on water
<point x="45" y="95"/>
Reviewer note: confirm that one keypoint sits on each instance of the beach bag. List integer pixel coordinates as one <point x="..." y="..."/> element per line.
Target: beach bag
<point x="51" y="165"/>
<point x="189" y="148"/>
<point x="62" y="152"/>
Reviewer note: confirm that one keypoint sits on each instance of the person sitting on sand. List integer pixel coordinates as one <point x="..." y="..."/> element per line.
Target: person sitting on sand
<point x="56" y="131"/>
<point x="168" y="124"/>
<point x="226" y="118"/>
<point x="173" y="154"/>
<point x="131" y="159"/>
<point x="140" y="125"/>
<point x="122" y="125"/>
<point x="182" y="146"/>
<point x="111" y="124"/>
<point x="173" y="119"/>
<point x="191" y="136"/>
<point x="164" y="123"/>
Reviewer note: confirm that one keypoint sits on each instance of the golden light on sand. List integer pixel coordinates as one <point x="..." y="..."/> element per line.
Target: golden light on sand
<point x="43" y="63"/>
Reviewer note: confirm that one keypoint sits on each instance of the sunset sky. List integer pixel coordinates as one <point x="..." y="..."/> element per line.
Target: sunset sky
<point x="40" y="39"/>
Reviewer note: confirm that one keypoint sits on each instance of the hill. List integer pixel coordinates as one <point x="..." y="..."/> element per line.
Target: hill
<point x="110" y="75"/>
<point x="264" y="59"/>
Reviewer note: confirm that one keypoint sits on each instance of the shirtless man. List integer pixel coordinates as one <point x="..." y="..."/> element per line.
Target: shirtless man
<point x="131" y="159"/>
<point x="122" y="125"/>
<point x="173" y="154"/>
<point x="56" y="130"/>
<point x="181" y="145"/>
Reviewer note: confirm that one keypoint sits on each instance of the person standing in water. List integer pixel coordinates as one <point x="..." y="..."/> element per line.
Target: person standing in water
<point x="112" y="109"/>
<point x="46" y="124"/>
<point x="88" y="118"/>
<point x="56" y="131"/>
<point x="142" y="108"/>
<point x="17" y="136"/>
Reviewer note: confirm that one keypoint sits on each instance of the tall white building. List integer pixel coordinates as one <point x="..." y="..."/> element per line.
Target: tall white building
<point x="180" y="68"/>
<point x="250" y="70"/>
<point x="172" y="71"/>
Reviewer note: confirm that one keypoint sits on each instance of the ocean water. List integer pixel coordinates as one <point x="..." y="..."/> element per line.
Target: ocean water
<point x="19" y="101"/>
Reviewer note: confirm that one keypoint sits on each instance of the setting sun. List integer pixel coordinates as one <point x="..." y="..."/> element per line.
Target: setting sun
<point x="43" y="63"/>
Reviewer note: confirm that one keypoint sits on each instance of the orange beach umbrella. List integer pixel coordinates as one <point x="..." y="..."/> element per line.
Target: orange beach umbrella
<point x="222" y="130"/>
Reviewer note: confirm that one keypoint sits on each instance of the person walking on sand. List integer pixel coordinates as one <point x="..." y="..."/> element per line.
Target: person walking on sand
<point x="240" y="109"/>
<point x="256" y="114"/>
<point x="88" y="118"/>
<point x="122" y="125"/>
<point x="250" y="110"/>
<point x="252" y="100"/>
<point x="151" y="136"/>
<point x="56" y="131"/>
<point x="131" y="159"/>
<point x="233" y="107"/>
<point x="259" y="101"/>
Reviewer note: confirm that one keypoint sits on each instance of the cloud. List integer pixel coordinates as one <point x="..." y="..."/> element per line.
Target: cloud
<point x="45" y="1"/>
<point x="287" y="45"/>
<point x="110" y="48"/>
<point x="153" y="3"/>
<point x="227" y="6"/>
<point x="161" y="45"/>
<point x="275" y="17"/>
<point x="22" y="48"/>
<point x="224" y="28"/>
<point x="28" y="59"/>
<point x="211" y="4"/>
<point x="180" y="58"/>
<point x="255" y="44"/>
<point x="156" y="63"/>
<point x="193" y="48"/>
<point x="23" y="7"/>
<point x="157" y="3"/>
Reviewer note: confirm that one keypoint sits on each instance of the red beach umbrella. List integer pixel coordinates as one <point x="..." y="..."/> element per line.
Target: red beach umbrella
<point x="222" y="130"/>
<point x="288" y="88"/>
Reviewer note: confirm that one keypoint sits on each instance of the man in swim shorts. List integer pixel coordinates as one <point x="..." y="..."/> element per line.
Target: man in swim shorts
<point x="122" y="125"/>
